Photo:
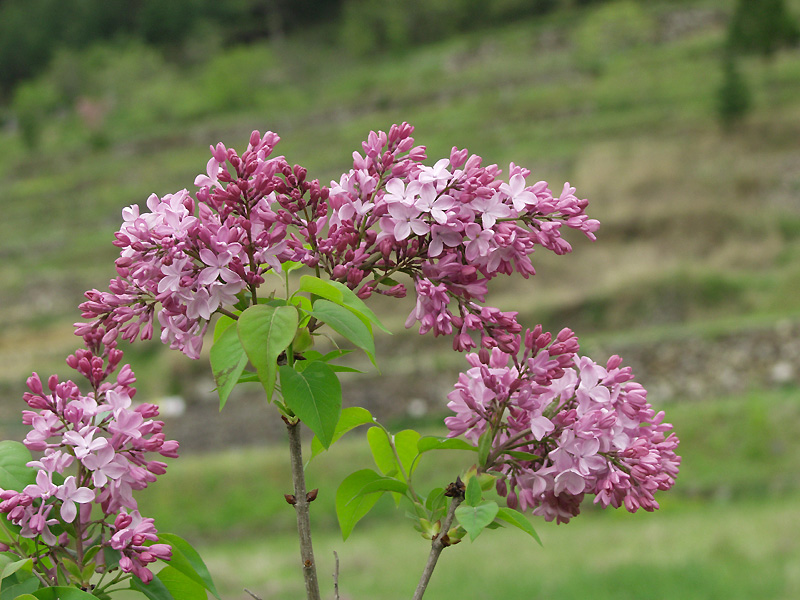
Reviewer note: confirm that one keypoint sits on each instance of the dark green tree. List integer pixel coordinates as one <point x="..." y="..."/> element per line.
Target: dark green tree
<point x="733" y="96"/>
<point x="761" y="27"/>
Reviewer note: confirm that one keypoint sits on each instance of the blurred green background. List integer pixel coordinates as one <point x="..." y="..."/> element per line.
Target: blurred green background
<point x="680" y="121"/>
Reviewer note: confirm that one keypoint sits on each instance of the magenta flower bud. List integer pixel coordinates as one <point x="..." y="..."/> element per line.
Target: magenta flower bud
<point x="34" y="383"/>
<point x="169" y="449"/>
<point x="162" y="551"/>
<point x="483" y="356"/>
<point x="157" y="467"/>
<point x="365" y="291"/>
<point x="52" y="382"/>
<point x="147" y="410"/>
<point x="339" y="272"/>
<point x="457" y="157"/>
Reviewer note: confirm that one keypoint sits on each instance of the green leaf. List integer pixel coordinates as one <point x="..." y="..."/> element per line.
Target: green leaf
<point x="351" y="505"/>
<point x="315" y="396"/>
<point x="111" y="557"/>
<point x="484" y="447"/>
<point x="248" y="377"/>
<point x="343" y="369"/>
<point x="519" y="454"/>
<point x="186" y="560"/>
<point x="25" y="587"/>
<point x="288" y="266"/>
<point x="518" y="520"/>
<point x="350" y="418"/>
<point x="435" y="501"/>
<point x="382" y="452"/>
<point x="473" y="494"/>
<point x="62" y="593"/>
<point x="155" y="590"/>
<point x="180" y="586"/>
<point x="340" y="294"/>
<point x="26" y="564"/>
<point x="265" y="331"/>
<point x="384" y="484"/>
<point x="318" y="287"/>
<point x="346" y="324"/>
<point x="405" y="442"/>
<point x="26" y="597"/>
<point x="14" y="474"/>
<point x="475" y="519"/>
<point x="431" y="442"/>
<point x="356" y="304"/>
<point x="228" y="360"/>
<point x="222" y="325"/>
<point x="333" y="354"/>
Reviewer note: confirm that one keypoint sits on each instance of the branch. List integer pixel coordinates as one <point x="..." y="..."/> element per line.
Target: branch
<point x="441" y="541"/>
<point x="300" y="502"/>
<point x="336" y="577"/>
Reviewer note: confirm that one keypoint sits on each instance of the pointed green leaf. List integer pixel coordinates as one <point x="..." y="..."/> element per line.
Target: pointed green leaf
<point x="180" y="586"/>
<point x="228" y="360"/>
<point x="435" y="500"/>
<point x="518" y="520"/>
<point x="222" y="325"/>
<point x="186" y="560"/>
<point x="265" y="331"/>
<point x="29" y="586"/>
<point x="248" y="377"/>
<point x="476" y="518"/>
<point x="318" y="287"/>
<point x="346" y="324"/>
<point x="519" y="454"/>
<point x="329" y="356"/>
<point x="430" y="442"/>
<point x="472" y="496"/>
<point x="14" y="473"/>
<point x="351" y="507"/>
<point x="315" y="396"/>
<point x="484" y="447"/>
<point x="26" y="564"/>
<point x="155" y="590"/>
<point x="384" y="484"/>
<point x="62" y="593"/>
<point x="340" y="294"/>
<point x="405" y="442"/>
<point x="350" y="418"/>
<point x="382" y="452"/>
<point x="343" y="369"/>
<point x="356" y="304"/>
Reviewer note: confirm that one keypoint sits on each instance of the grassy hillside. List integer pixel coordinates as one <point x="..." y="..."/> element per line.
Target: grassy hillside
<point x="697" y="225"/>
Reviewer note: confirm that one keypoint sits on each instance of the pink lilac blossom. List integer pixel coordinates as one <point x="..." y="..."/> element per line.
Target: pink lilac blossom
<point x="582" y="428"/>
<point x="451" y="227"/>
<point x="106" y="441"/>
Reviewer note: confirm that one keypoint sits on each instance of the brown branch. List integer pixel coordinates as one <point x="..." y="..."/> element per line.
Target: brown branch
<point x="336" y="576"/>
<point x="301" y="508"/>
<point x="440" y="542"/>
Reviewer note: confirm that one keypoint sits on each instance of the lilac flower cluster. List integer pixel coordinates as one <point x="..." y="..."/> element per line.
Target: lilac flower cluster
<point x="451" y="228"/>
<point x="105" y="442"/>
<point x="562" y="426"/>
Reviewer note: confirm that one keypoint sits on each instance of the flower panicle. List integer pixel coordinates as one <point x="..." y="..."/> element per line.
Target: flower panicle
<point x="96" y="449"/>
